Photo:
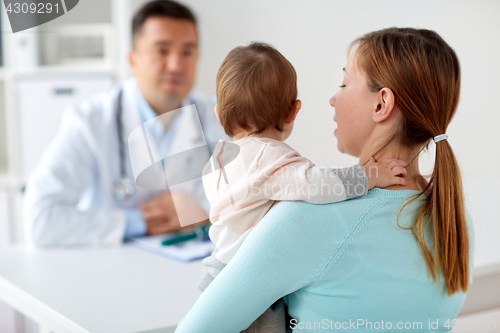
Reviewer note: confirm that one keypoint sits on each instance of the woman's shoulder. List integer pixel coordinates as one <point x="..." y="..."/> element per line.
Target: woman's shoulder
<point x="301" y="221"/>
<point x="353" y="210"/>
<point x="298" y="219"/>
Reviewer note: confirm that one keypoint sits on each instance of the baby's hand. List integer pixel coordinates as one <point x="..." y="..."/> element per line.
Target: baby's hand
<point x="386" y="173"/>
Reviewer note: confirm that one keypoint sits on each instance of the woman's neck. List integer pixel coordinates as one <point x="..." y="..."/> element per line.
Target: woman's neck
<point x="415" y="180"/>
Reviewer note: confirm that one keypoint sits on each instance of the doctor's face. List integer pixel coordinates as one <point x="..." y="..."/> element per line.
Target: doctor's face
<point x="164" y="57"/>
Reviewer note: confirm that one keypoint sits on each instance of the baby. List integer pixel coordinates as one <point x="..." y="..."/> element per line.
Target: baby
<point x="257" y="105"/>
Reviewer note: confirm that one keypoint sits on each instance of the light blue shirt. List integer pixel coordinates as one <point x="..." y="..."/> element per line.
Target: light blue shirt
<point x="135" y="224"/>
<point x="335" y="264"/>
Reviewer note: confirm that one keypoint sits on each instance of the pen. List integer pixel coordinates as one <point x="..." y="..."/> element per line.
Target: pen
<point x="184" y="238"/>
<point x="179" y="239"/>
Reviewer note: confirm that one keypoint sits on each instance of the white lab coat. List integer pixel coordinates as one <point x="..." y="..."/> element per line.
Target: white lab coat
<point x="68" y="199"/>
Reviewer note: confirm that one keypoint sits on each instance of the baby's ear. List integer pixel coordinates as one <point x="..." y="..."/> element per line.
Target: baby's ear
<point x="216" y="111"/>
<point x="294" y="111"/>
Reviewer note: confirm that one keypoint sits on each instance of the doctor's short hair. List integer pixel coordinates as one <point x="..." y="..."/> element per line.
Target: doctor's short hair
<point x="256" y="89"/>
<point x="160" y="8"/>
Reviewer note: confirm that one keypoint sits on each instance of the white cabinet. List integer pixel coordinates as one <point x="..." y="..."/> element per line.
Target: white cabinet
<point x="3" y="135"/>
<point x="41" y="102"/>
<point x="7" y="314"/>
<point x="5" y="226"/>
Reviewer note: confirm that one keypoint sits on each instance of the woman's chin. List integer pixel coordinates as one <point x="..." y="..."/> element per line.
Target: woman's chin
<point x="339" y="147"/>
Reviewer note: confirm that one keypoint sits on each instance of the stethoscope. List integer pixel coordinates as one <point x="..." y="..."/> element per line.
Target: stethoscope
<point x="123" y="188"/>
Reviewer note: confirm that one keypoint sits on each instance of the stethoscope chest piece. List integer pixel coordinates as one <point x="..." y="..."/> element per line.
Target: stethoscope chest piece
<point x="123" y="188"/>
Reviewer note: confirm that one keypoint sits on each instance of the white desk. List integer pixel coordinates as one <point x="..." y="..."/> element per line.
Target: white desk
<point x="125" y="289"/>
<point x="120" y="289"/>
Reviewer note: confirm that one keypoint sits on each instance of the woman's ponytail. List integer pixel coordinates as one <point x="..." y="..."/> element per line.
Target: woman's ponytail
<point x="445" y="206"/>
<point x="423" y="72"/>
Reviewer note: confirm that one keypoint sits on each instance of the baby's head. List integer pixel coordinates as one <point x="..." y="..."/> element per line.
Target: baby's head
<point x="256" y="92"/>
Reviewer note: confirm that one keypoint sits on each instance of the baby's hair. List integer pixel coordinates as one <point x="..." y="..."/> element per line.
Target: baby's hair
<point x="256" y="89"/>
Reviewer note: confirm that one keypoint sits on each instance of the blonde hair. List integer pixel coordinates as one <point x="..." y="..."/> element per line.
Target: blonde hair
<point x="256" y="89"/>
<point x="423" y="72"/>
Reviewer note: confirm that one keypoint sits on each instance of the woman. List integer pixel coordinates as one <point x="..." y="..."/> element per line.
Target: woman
<point x="398" y="258"/>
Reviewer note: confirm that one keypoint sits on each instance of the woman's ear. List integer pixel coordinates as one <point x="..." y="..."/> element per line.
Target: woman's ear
<point x="293" y="111"/>
<point x="385" y="105"/>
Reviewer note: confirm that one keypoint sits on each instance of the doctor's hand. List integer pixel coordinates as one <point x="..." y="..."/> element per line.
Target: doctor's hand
<point x="161" y="216"/>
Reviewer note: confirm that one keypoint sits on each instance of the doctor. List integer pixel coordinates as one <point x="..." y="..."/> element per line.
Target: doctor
<point x="82" y="191"/>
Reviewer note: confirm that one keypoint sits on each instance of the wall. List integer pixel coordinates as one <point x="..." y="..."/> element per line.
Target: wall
<point x="314" y="35"/>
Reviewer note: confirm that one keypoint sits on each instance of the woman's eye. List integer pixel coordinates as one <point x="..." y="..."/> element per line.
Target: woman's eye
<point x="342" y="86"/>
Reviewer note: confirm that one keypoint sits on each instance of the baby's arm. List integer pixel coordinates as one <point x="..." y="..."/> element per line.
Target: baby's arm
<point x="319" y="185"/>
<point x="385" y="173"/>
<point x="285" y="175"/>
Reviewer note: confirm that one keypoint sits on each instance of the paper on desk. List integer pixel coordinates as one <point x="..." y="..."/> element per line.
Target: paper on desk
<point x="191" y="250"/>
